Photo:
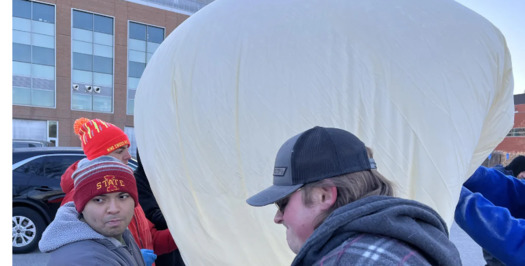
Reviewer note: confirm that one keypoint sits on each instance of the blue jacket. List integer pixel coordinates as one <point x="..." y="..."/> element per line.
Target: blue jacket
<point x="491" y="209"/>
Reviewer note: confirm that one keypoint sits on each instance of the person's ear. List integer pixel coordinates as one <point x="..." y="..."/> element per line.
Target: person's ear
<point x="328" y="196"/>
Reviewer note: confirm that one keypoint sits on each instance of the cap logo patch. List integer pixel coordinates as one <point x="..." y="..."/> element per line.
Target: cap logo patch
<point x="279" y="171"/>
<point x="111" y="183"/>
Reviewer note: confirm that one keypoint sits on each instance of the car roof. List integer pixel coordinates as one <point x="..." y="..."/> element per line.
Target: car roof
<point x="23" y="153"/>
<point x="20" y="154"/>
<point x="26" y="142"/>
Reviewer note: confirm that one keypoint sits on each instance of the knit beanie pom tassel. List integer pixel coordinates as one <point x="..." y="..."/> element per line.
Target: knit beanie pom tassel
<point x="78" y="124"/>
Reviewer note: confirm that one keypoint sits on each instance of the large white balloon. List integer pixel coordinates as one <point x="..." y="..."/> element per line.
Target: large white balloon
<point x="426" y="84"/>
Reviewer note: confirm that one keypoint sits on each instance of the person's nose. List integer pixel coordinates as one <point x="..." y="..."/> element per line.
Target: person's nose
<point x="127" y="156"/>
<point x="278" y="218"/>
<point x="113" y="206"/>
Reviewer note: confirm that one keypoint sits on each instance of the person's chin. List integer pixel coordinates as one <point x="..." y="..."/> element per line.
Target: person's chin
<point x="293" y="245"/>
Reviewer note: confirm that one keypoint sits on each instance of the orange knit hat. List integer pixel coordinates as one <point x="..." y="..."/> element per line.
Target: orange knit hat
<point x="99" y="138"/>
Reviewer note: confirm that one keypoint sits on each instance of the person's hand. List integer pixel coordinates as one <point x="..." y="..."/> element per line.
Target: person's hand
<point x="149" y="256"/>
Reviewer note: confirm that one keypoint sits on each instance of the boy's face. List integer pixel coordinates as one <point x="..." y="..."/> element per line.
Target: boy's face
<point x="109" y="214"/>
<point x="122" y="154"/>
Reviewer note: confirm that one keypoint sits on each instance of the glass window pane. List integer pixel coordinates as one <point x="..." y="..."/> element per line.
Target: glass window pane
<point x="152" y="47"/>
<point x="155" y="34"/>
<point x="21" y="9"/>
<point x="43" y="28"/>
<point x="104" y="91"/>
<point x="105" y="80"/>
<point x="21" y="52"/>
<point x="21" y="37"/>
<point x="43" y="12"/>
<point x="103" y="24"/>
<point x="82" y="20"/>
<point x="81" y="101"/>
<point x="130" y="107"/>
<point x="137" y="56"/>
<point x="82" y="35"/>
<point x="137" y="31"/>
<point x="21" y="95"/>
<point x="82" y="61"/>
<point x="21" y="24"/>
<point x="21" y="69"/>
<point x="44" y="98"/>
<point x="82" y="77"/>
<point x="43" y="72"/>
<point x="133" y="83"/>
<point x="43" y="40"/>
<point x="53" y="127"/>
<point x="43" y="56"/>
<point x="136" y="45"/>
<point x="103" y="50"/>
<point x="102" y="64"/>
<point x="149" y="55"/>
<point x="44" y="84"/>
<point x="82" y="47"/>
<point x="136" y="69"/>
<point x="131" y="94"/>
<point x="102" y="38"/>
<point x="102" y="103"/>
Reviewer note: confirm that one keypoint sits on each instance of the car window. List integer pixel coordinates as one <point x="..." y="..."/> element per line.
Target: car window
<point x="55" y="166"/>
<point x="49" y="166"/>
<point x="34" y="167"/>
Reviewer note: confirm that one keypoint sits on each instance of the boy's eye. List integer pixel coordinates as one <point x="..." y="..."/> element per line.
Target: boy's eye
<point x="97" y="200"/>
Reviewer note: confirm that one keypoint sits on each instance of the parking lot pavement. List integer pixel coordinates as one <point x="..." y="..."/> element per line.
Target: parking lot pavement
<point x="469" y="251"/>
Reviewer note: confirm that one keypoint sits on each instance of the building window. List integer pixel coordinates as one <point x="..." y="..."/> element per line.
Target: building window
<point x="36" y="130"/>
<point x="143" y="40"/>
<point x="92" y="42"/>
<point x="516" y="132"/>
<point x="33" y="54"/>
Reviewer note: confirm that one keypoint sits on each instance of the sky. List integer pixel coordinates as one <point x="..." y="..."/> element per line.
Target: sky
<point x="509" y="17"/>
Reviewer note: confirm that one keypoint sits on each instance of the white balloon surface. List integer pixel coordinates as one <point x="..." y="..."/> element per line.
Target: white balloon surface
<point x="426" y="84"/>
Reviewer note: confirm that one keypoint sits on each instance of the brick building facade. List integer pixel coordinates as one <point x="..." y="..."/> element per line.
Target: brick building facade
<point x="514" y="143"/>
<point x="81" y="58"/>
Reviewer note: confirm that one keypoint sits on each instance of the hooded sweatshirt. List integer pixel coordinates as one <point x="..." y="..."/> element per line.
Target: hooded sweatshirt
<point x="144" y="232"/>
<point x="73" y="242"/>
<point x="380" y="230"/>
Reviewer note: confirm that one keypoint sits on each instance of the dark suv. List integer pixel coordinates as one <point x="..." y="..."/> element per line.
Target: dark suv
<point x="36" y="190"/>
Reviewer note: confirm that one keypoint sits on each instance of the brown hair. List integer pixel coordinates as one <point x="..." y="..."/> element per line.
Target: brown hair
<point x="350" y="187"/>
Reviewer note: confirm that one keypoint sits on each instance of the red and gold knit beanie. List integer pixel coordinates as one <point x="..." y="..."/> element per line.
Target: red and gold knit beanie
<point x="99" y="138"/>
<point x="100" y="176"/>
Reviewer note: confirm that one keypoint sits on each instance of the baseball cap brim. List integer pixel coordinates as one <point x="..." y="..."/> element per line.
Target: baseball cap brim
<point x="271" y="195"/>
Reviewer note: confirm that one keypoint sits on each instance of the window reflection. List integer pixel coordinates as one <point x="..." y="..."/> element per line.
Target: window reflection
<point x="92" y="37"/>
<point x="33" y="54"/>
<point x="143" y="40"/>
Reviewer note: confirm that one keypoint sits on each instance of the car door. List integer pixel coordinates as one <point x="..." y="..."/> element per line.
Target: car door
<point x="40" y="177"/>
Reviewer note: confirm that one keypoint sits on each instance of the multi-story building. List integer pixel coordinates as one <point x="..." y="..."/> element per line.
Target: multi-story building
<point x="513" y="144"/>
<point x="84" y="58"/>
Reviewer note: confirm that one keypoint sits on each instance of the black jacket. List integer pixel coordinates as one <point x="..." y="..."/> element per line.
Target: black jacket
<point x="154" y="214"/>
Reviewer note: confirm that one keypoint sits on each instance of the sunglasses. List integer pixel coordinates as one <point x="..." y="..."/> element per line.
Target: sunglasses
<point x="281" y="204"/>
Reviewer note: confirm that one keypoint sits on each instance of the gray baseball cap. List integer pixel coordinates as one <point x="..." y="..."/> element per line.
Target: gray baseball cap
<point x="313" y="155"/>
